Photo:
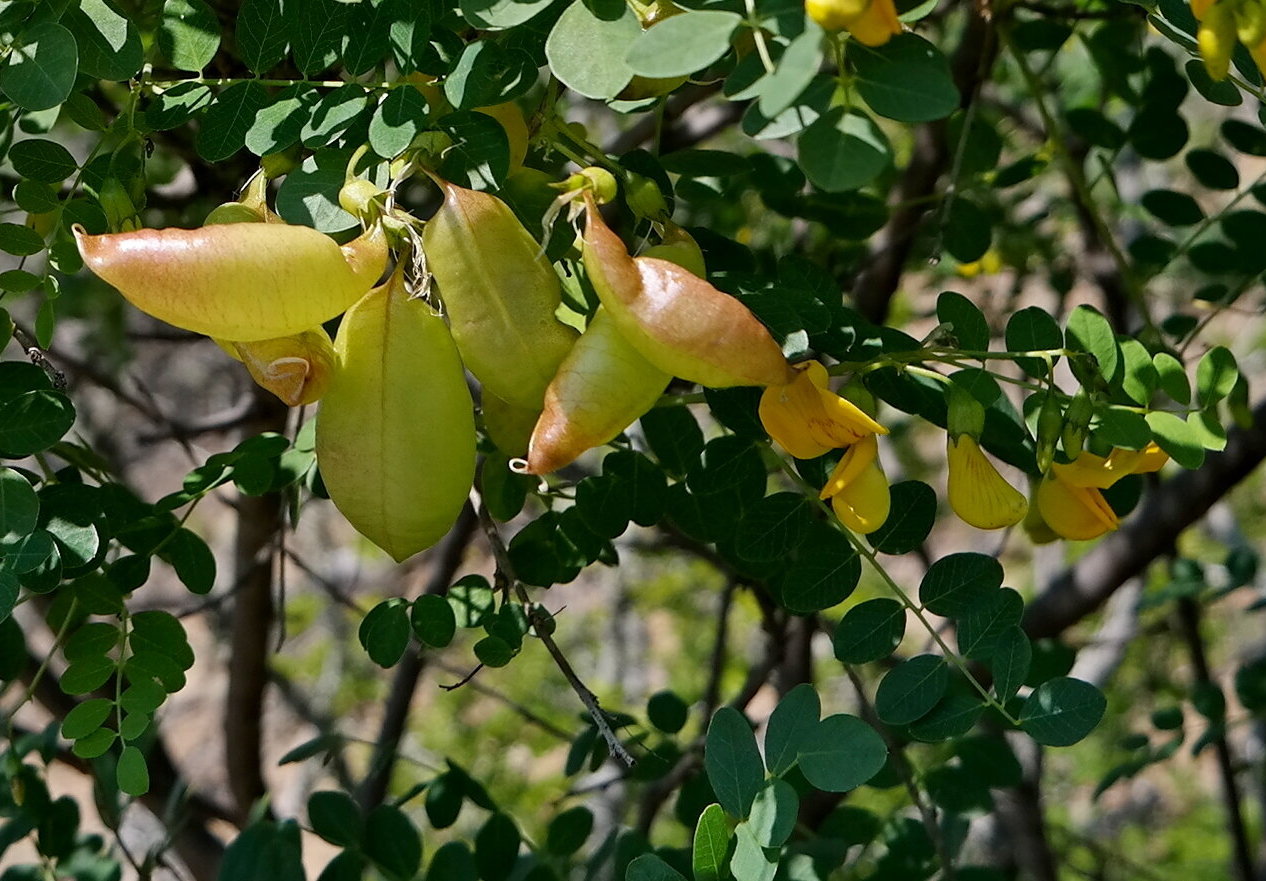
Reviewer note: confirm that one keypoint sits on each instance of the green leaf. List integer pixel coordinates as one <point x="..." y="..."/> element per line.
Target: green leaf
<point x="843" y="150"/>
<point x="41" y="160"/>
<point x="27" y="553"/>
<point x="911" y="519"/>
<point x="773" y="528"/>
<point x="1140" y="378"/>
<point x="824" y="573"/>
<point x="955" y="715"/>
<point x="773" y="816"/>
<point x="674" y="437"/>
<point x="667" y="712"/>
<point x="1172" y="208"/>
<point x="733" y="761"/>
<point x="315" y="28"/>
<point x="906" y="79"/>
<point x="309" y="194"/>
<point x="1012" y="656"/>
<point x="433" y="620"/>
<point x="980" y="628"/>
<point x="280" y="124"/>
<point x="335" y="113"/>
<point x="109" y="44"/>
<point x="161" y="633"/>
<point x="264" y="851"/>
<point x="1032" y="329"/>
<point x="1216" y="375"/>
<point x="176" y="106"/>
<point x="479" y="157"/>
<point x="649" y="867"/>
<point x="1172" y="377"/>
<point x="1212" y="169"/>
<point x="750" y="861"/>
<point x="335" y="817"/>
<point x="261" y="33"/>
<point x="502" y="14"/>
<point x="193" y="561"/>
<point x="33" y="422"/>
<point x="189" y="34"/>
<point x="1088" y="331"/>
<point x="392" y="842"/>
<point x="396" y="122"/>
<point x="795" y="69"/>
<point x="711" y="844"/>
<point x="131" y="773"/>
<point x="86" y="718"/>
<point x="497" y="848"/>
<point x="842" y="754"/>
<point x="1177" y="438"/>
<point x="19" y="507"/>
<point x="20" y="240"/>
<point x="909" y="690"/>
<point x="1158" y="133"/>
<point x="605" y="504"/>
<point x="568" y="831"/>
<point x="967" y="232"/>
<point x="955" y="583"/>
<point x="486" y="74"/>
<point x="87" y="674"/>
<point x="967" y="323"/>
<point x="1245" y="137"/>
<point x="586" y="52"/>
<point x="1062" y="711"/>
<point x="226" y="122"/>
<point x="870" y="631"/>
<point x="452" y="862"/>
<point x="493" y="651"/>
<point x="43" y="63"/>
<point x="384" y="632"/>
<point x="791" y="724"/>
<point x="682" y="44"/>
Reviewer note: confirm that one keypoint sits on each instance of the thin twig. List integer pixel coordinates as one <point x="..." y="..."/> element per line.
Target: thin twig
<point x="541" y="624"/>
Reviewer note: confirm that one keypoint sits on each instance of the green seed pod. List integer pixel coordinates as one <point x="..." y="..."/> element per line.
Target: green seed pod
<point x="1076" y="424"/>
<point x="1050" y="420"/>
<point x="237" y="281"/>
<point x="395" y="437"/>
<point x="500" y="294"/>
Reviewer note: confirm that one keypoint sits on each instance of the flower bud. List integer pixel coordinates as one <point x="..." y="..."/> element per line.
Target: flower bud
<point x="1050" y="420"/>
<point x="1076" y="424"/>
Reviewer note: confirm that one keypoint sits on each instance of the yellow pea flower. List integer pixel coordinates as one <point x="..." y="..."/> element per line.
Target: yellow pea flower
<point x="1070" y="497"/>
<point x="979" y="495"/>
<point x="871" y="22"/>
<point x="808" y="419"/>
<point x="858" y="488"/>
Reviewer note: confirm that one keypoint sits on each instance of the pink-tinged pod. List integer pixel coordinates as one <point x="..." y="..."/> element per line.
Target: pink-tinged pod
<point x="297" y="368"/>
<point x="237" y="281"/>
<point x="395" y="437"/>
<point x="603" y="385"/>
<point x="679" y="322"/>
<point x="500" y="294"/>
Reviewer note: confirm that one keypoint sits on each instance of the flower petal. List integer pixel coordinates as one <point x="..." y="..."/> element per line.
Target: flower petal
<point x="849" y="468"/>
<point x="808" y="419"/>
<point x="877" y="25"/>
<point x="863" y="505"/>
<point x="979" y="495"/>
<point x="1075" y="512"/>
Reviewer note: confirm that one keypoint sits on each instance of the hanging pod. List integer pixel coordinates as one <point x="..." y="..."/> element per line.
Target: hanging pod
<point x="237" y="281"/>
<point x="602" y="386"/>
<point x="395" y="438"/>
<point x="500" y="294"/>
<point x="679" y="322"/>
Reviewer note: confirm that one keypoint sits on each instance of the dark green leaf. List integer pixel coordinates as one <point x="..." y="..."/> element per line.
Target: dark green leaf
<point x="906" y="79"/>
<point x="823" y="574"/>
<point x="42" y="65"/>
<point x="711" y="844"/>
<point x="109" y="44"/>
<point x="791" y="725"/>
<point x="842" y="754"/>
<point x="86" y="718"/>
<point x="843" y="150"/>
<point x="384" y="632"/>
<point x="910" y="519"/>
<point x="131" y="773"/>
<point x="682" y="44"/>
<point x="189" y="34"/>
<point x="226" y="122"/>
<point x="733" y="761"/>
<point x="773" y="816"/>
<point x="41" y="160"/>
<point x="20" y="240"/>
<point x="1177" y="437"/>
<point x="909" y="690"/>
<point x="870" y="631"/>
<point x="955" y="583"/>
<point x="1033" y="329"/>
<point x="1212" y="169"/>
<point x="1173" y="208"/>
<point x="335" y="817"/>
<point x="586" y="51"/>
<point x="33" y="422"/>
<point x="667" y="712"/>
<point x="568" y="831"/>
<point x="648" y="867"/>
<point x="315" y="28"/>
<point x="497" y="848"/>
<point x="392" y="842"/>
<point x="674" y="437"/>
<point x="398" y="119"/>
<point x="433" y="620"/>
<point x="19" y="507"/>
<point x="261" y="33"/>
<point x="1062" y="711"/>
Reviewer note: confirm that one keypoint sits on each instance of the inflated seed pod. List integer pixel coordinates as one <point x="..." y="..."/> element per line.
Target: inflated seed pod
<point x="395" y="437"/>
<point x="500" y="294"/>
<point x="508" y="426"/>
<point x="602" y="386"/>
<point x="297" y="369"/>
<point x="237" y="281"/>
<point x="679" y="322"/>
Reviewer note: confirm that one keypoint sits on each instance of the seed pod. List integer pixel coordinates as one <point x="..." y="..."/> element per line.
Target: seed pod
<point x="395" y="438"/>
<point x="238" y="281"/>
<point x="508" y="426"/>
<point x="679" y="322"/>
<point x="679" y="247"/>
<point x="500" y="294"/>
<point x="602" y="386"/>
<point x="297" y="368"/>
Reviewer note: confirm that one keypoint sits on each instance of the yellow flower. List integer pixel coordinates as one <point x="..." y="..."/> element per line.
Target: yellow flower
<point x="1070" y="497"/>
<point x="858" y="488"/>
<point x="808" y="419"/>
<point x="871" y="22"/>
<point x="977" y="492"/>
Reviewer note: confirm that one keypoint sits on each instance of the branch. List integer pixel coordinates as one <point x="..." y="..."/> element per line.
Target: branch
<point x="449" y="554"/>
<point x="1165" y="513"/>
